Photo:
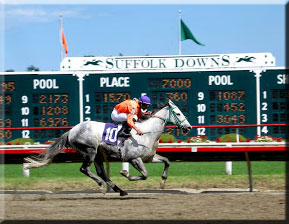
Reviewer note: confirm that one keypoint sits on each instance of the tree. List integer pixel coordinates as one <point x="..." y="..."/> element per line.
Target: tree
<point x="32" y="68"/>
<point x="10" y="70"/>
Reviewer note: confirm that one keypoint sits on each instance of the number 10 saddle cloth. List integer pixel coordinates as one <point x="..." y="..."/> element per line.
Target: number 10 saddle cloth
<point x="113" y="142"/>
<point x="110" y="133"/>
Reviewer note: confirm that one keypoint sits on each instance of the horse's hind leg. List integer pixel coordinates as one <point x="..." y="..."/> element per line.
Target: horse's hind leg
<point x="98" y="163"/>
<point x="138" y="164"/>
<point x="88" y="159"/>
<point x="157" y="159"/>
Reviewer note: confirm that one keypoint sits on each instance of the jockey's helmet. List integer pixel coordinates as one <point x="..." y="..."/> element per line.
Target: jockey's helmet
<point x="145" y="99"/>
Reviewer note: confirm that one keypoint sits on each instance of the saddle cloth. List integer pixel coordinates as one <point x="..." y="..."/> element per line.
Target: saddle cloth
<point x="110" y="133"/>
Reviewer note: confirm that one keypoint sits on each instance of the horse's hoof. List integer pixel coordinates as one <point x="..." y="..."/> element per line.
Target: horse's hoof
<point x="163" y="184"/>
<point x="103" y="188"/>
<point x="123" y="193"/>
<point x="124" y="173"/>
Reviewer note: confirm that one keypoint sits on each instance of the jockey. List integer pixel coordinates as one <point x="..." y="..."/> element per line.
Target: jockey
<point x="128" y="111"/>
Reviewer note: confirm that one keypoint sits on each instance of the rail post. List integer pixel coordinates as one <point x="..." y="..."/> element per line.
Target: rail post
<point x="229" y="168"/>
<point x="249" y="171"/>
<point x="26" y="172"/>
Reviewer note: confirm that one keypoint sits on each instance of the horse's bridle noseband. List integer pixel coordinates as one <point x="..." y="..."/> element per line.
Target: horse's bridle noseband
<point x="172" y="113"/>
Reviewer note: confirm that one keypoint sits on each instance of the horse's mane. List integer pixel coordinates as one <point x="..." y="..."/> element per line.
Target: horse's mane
<point x="160" y="106"/>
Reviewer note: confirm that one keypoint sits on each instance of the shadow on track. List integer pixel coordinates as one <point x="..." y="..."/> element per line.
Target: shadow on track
<point x="108" y="198"/>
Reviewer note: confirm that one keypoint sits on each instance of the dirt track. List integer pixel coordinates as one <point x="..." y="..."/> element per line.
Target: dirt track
<point x="172" y="205"/>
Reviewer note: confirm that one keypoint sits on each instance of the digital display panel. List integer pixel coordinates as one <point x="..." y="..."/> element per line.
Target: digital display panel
<point x="207" y="98"/>
<point x="29" y="101"/>
<point x="274" y="100"/>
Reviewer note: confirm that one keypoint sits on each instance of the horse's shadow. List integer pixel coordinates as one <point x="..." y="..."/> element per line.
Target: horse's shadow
<point x="108" y="198"/>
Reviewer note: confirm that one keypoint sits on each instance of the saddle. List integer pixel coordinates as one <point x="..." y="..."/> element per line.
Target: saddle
<point x="110" y="133"/>
<point x="111" y="138"/>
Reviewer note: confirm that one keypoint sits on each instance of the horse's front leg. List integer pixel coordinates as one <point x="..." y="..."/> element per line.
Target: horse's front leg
<point x="98" y="163"/>
<point x="137" y="164"/>
<point x="157" y="159"/>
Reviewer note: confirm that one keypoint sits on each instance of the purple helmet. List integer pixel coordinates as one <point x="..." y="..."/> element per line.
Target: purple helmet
<point x="145" y="99"/>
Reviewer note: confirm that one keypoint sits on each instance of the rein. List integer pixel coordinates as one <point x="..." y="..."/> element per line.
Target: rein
<point x="171" y="113"/>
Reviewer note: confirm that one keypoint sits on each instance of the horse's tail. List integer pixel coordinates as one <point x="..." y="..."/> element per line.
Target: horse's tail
<point x="53" y="150"/>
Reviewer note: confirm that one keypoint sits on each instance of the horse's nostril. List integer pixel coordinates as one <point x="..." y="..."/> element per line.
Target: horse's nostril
<point x="186" y="129"/>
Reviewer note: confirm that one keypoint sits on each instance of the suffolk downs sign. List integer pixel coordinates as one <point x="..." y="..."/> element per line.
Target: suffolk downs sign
<point x="175" y="63"/>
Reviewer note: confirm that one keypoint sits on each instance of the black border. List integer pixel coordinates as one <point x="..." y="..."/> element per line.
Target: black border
<point x="287" y="86"/>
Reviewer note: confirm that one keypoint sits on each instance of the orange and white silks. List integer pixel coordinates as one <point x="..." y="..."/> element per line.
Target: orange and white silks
<point x="130" y="107"/>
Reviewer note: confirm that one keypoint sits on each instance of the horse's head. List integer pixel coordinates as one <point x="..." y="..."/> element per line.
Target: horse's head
<point x="177" y="118"/>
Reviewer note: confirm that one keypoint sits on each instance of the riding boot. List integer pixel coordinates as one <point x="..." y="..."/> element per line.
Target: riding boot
<point x="125" y="131"/>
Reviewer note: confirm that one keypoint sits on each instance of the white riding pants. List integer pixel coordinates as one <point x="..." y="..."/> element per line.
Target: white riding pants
<point x="120" y="117"/>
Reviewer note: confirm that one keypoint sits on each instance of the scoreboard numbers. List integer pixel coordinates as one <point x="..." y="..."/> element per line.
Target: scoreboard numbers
<point x="274" y="101"/>
<point x="223" y="98"/>
<point x="207" y="98"/>
<point x="174" y="87"/>
<point x="7" y="89"/>
<point x="40" y="101"/>
<point x="103" y="93"/>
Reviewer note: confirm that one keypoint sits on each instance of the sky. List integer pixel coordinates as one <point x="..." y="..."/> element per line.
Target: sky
<point x="30" y="30"/>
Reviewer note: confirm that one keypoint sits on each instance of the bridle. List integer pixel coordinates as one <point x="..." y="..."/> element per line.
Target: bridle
<point x="168" y="120"/>
<point x="173" y="114"/>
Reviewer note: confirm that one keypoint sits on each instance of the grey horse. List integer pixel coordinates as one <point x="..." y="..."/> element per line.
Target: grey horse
<point x="86" y="138"/>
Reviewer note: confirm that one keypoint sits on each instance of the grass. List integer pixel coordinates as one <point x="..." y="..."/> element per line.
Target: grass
<point x="196" y="175"/>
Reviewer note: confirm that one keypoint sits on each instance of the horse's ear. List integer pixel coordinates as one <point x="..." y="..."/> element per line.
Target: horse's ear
<point x="160" y="105"/>
<point x="169" y="102"/>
